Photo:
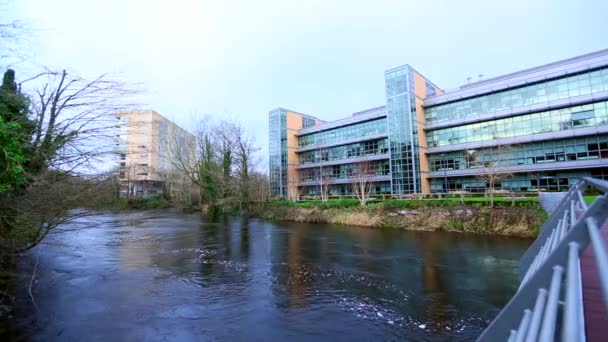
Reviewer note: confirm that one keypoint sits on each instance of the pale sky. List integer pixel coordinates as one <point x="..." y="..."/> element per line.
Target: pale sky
<point x="241" y="59"/>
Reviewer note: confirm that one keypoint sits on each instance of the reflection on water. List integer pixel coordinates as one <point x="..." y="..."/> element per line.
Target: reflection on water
<point x="164" y="276"/>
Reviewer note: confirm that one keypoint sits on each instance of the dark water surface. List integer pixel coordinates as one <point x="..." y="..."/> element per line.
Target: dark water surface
<point x="163" y="276"/>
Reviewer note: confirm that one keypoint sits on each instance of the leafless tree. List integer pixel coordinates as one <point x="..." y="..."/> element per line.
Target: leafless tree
<point x="493" y="171"/>
<point x="259" y="187"/>
<point x="363" y="174"/>
<point x="53" y="198"/>
<point x="324" y="179"/>
<point x="74" y="118"/>
<point x="324" y="185"/>
<point x="222" y="165"/>
<point x="13" y="34"/>
<point x="73" y="130"/>
<point x="294" y="191"/>
<point x="246" y="162"/>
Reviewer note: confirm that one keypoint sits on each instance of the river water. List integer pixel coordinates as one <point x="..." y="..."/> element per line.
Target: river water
<point x="164" y="276"/>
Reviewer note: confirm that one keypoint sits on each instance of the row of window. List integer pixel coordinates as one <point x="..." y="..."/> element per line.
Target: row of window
<point x="366" y="148"/>
<point x="593" y="147"/>
<point x="344" y="171"/>
<point x="548" y="121"/>
<point x="545" y="181"/>
<point x="277" y="121"/>
<point x="397" y="81"/>
<point x="378" y="188"/>
<point x="401" y="111"/>
<point x="343" y="133"/>
<point x="582" y="84"/>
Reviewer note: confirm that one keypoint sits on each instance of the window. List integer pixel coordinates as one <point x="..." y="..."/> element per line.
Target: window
<point x="582" y="118"/>
<point x="142" y="174"/>
<point x="123" y="156"/>
<point x="123" y="164"/>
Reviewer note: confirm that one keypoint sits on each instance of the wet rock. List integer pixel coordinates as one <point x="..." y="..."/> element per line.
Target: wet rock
<point x="391" y="214"/>
<point x="409" y="212"/>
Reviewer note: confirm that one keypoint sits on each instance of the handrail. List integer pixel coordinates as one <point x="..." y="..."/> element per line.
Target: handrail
<point x="551" y="286"/>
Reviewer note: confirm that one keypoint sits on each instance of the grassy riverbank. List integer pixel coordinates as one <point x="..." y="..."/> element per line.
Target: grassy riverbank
<point x="521" y="218"/>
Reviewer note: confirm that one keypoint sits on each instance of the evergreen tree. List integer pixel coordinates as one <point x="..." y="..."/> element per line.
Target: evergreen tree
<point x="15" y="134"/>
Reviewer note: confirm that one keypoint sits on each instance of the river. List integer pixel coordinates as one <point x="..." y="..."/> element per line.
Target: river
<point x="165" y="276"/>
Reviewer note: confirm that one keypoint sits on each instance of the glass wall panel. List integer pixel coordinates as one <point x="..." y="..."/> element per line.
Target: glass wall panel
<point x="582" y="84"/>
<point x="343" y="171"/>
<point x="360" y="149"/>
<point x="583" y="148"/>
<point x="277" y="125"/>
<point x="402" y="134"/>
<point x="550" y="121"/>
<point x="378" y="188"/>
<point x="544" y="181"/>
<point x="343" y="133"/>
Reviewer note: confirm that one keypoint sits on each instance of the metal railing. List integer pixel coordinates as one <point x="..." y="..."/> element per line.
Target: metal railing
<point x="548" y="305"/>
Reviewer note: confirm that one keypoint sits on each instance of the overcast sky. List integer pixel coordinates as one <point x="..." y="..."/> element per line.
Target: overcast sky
<point x="326" y="58"/>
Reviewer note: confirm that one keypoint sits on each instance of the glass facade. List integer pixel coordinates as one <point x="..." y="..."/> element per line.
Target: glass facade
<point x="549" y="121"/>
<point x="403" y="142"/>
<point x="343" y="133"/>
<point x="562" y="88"/>
<point x="545" y="180"/>
<point x="365" y="148"/>
<point x="553" y="151"/>
<point x="378" y="188"/>
<point x="396" y="135"/>
<point x="343" y="171"/>
<point x="277" y="151"/>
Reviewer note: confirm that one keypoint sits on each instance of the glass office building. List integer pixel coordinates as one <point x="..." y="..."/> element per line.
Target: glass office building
<point x="543" y="127"/>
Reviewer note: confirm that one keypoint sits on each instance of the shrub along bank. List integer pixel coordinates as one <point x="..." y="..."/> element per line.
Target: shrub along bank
<point x="156" y="202"/>
<point x="522" y="218"/>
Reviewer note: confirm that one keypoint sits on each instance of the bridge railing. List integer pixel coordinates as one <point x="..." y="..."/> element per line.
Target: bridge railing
<point x="548" y="305"/>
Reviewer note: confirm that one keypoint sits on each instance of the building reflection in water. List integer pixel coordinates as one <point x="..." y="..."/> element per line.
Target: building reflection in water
<point x="297" y="282"/>
<point x="431" y="248"/>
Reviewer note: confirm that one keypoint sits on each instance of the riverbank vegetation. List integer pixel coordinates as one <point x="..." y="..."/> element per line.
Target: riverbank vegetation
<point x="56" y="127"/>
<point x="523" y="219"/>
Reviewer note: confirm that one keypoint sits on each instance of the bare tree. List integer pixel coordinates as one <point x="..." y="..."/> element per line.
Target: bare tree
<point x="294" y="191"/>
<point x="493" y="171"/>
<point x="224" y="138"/>
<point x="324" y="179"/>
<point x="222" y="165"/>
<point x="73" y="129"/>
<point x="196" y="166"/>
<point x="324" y="185"/>
<point x="245" y="149"/>
<point x="52" y="199"/>
<point x="363" y="173"/>
<point x="259" y="187"/>
<point x="74" y="118"/>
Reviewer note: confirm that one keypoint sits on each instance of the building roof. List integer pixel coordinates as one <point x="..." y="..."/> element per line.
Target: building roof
<point x="365" y="115"/>
<point x="544" y="72"/>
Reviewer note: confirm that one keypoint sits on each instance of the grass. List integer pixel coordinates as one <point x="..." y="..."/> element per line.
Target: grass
<point x="411" y="203"/>
<point x="589" y="199"/>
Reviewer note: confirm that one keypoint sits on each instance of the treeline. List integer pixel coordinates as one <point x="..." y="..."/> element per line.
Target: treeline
<point x="57" y="128"/>
<point x="51" y="137"/>
<point x="220" y="173"/>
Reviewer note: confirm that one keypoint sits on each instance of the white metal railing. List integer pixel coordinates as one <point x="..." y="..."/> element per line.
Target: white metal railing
<point x="548" y="305"/>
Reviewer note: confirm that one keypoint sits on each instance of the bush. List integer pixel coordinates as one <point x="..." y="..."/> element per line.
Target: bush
<point x="499" y="202"/>
<point x="156" y="202"/>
